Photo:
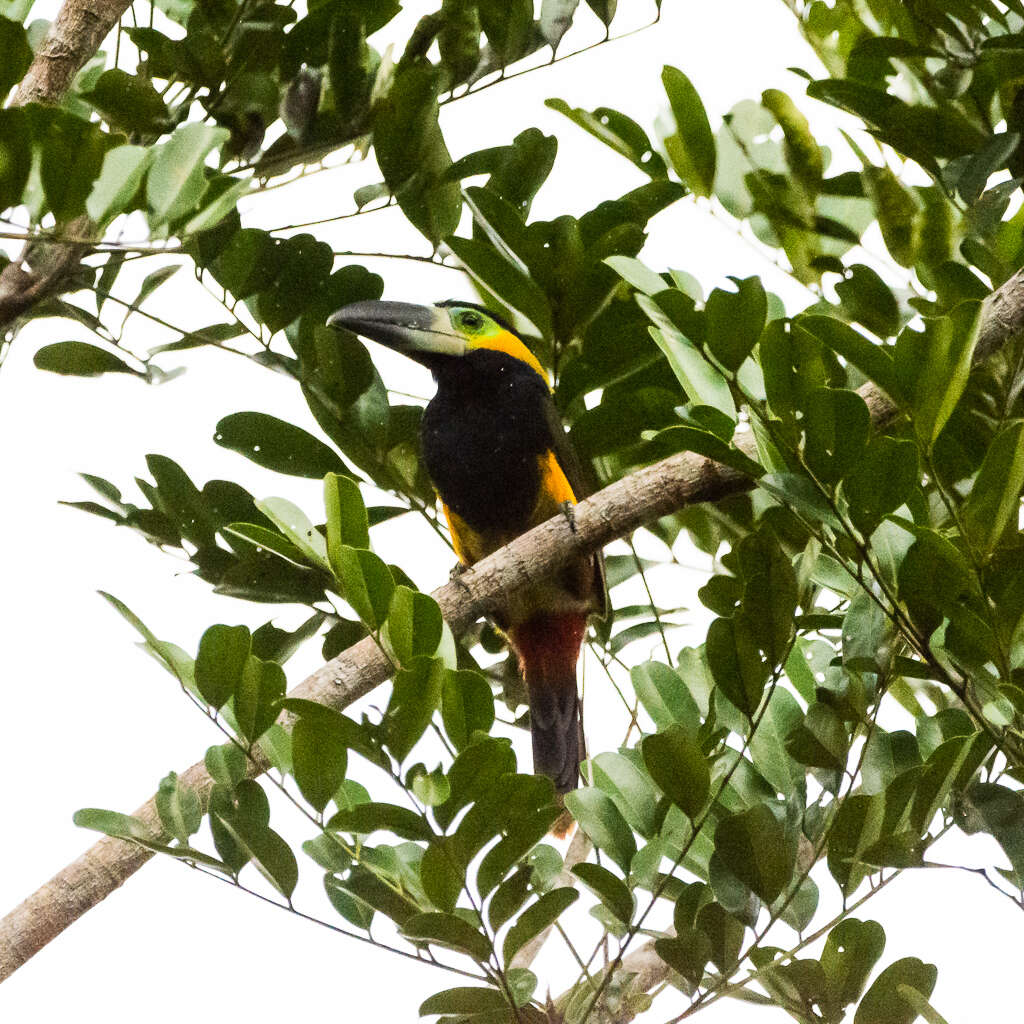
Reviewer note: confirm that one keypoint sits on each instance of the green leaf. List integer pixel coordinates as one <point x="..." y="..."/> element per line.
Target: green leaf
<point x="249" y="263"/>
<point x="179" y="808"/>
<point x="365" y="819"/>
<point x="897" y="210"/>
<point x="267" y="852"/>
<point x="703" y="384"/>
<point x="792" y="363"/>
<point x="882" y="1003"/>
<point x="883" y="479"/>
<point x="608" y="888"/>
<point x="351" y="908"/>
<point x="836" y="424"/>
<point x="245" y="804"/>
<point x="555" y="21"/>
<point x="305" y="266"/>
<point x="262" y="684"/>
<point x="218" y="202"/>
<point x="687" y="953"/>
<point x="987" y="807"/>
<point x="871" y="359"/>
<point x="465" y="1001"/>
<point x="617" y="131"/>
<point x="79" y="359"/>
<point x="536" y="917"/>
<point x="268" y="540"/>
<point x="365" y="582"/>
<point x="15" y="56"/>
<point x="679" y="768"/>
<point x="273" y="644"/>
<point x="638" y="274"/>
<point x="347" y="521"/>
<point x="736" y="663"/>
<point x="277" y="445"/>
<point x="724" y="932"/>
<point x="111" y="823"/>
<point x="220" y="663"/>
<point x="769" y="594"/>
<point x="414" y="699"/>
<point x="175" y="660"/>
<point x="467" y="706"/>
<point x="522" y="983"/>
<point x="820" y="739"/>
<point x="664" y="695"/>
<point x="689" y="439"/>
<point x="522" y="837"/>
<point x="413" y="627"/>
<point x="319" y="757"/>
<point x="851" y="951"/>
<point x="868" y="300"/>
<point x="449" y="931"/>
<point x="631" y="789"/>
<point x="602" y="821"/>
<point x="856" y="826"/>
<point x="442" y="875"/>
<point x="72" y="158"/>
<point x="754" y="847"/>
<point x="735" y="321"/>
<point x="509" y="897"/>
<point x="768" y="744"/>
<point x="692" y="148"/>
<point x="994" y="501"/>
<point x="15" y="146"/>
<point x="991" y="157"/>
<point x="803" y="154"/>
<point x="910" y="995"/>
<point x="373" y="893"/>
<point x="412" y="154"/>
<point x="886" y="755"/>
<point x="933" y="365"/>
<point x="176" y="180"/>
<point x="226" y="764"/>
<point x="292" y="522"/>
<point x="128" y="102"/>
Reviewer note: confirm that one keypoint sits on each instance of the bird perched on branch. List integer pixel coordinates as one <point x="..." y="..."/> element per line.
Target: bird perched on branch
<point x="498" y="456"/>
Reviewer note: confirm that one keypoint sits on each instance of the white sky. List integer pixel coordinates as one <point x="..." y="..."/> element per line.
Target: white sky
<point x="92" y="722"/>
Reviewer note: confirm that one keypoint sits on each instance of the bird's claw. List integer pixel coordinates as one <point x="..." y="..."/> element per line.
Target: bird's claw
<point x="569" y="511"/>
<point x="457" y="570"/>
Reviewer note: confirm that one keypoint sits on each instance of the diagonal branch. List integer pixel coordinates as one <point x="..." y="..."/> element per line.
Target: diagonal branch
<point x="648" y="494"/>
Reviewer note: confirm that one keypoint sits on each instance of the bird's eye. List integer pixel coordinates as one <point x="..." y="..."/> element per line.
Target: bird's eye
<point x="472" y="319"/>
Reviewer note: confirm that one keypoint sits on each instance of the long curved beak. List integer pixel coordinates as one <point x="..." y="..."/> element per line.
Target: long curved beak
<point x="407" y="328"/>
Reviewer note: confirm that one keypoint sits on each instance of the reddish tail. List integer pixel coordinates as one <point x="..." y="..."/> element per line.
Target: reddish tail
<point x="548" y="647"/>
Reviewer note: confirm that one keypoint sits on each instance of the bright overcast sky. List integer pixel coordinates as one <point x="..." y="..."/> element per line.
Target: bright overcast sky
<point x="91" y="721"/>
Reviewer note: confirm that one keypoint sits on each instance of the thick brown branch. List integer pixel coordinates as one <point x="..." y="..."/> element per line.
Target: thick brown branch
<point x="614" y="512"/>
<point x="74" y="37"/>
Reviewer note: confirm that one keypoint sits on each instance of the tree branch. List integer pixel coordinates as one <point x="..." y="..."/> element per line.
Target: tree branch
<point x="75" y="35"/>
<point x="648" y="494"/>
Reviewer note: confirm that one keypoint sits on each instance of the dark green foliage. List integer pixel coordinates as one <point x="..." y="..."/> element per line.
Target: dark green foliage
<point x="859" y="689"/>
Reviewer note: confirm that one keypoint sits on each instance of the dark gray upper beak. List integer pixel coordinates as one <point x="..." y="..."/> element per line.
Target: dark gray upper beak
<point x="403" y="326"/>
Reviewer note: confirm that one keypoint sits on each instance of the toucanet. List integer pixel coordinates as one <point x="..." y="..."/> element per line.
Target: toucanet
<point x="499" y="458"/>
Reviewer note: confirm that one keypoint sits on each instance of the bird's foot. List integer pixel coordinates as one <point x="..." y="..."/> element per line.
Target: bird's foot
<point x="569" y="511"/>
<point x="457" y="570"/>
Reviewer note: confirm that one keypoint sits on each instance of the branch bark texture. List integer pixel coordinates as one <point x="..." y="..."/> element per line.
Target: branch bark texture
<point x="642" y="497"/>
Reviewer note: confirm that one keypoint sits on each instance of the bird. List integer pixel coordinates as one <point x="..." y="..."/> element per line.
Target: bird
<point x="498" y="456"/>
